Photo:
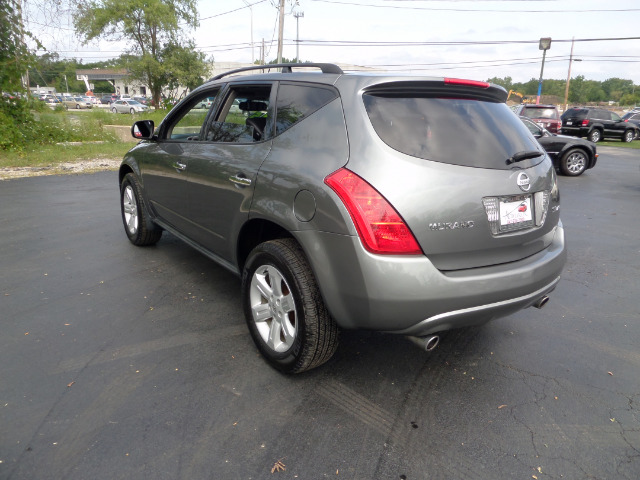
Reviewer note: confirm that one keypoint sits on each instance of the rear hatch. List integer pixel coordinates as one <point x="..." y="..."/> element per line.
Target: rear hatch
<point x="470" y="181"/>
<point x="573" y="117"/>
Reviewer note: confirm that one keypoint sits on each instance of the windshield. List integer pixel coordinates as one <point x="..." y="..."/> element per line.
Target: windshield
<point x="465" y="132"/>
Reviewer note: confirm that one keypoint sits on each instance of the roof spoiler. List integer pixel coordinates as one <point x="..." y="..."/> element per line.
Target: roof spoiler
<point x="286" y="68"/>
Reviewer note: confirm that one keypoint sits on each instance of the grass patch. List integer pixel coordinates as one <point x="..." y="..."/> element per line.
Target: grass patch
<point x="635" y="144"/>
<point x="51" y="155"/>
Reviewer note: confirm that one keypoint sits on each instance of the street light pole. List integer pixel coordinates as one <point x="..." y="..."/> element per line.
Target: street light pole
<point x="280" y="31"/>
<point x="298" y="15"/>
<point x="545" y="44"/>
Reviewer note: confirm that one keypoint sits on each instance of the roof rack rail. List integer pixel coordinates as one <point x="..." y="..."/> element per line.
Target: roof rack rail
<point x="286" y="68"/>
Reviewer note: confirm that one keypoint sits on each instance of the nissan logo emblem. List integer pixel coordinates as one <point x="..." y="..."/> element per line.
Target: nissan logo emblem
<point x="523" y="182"/>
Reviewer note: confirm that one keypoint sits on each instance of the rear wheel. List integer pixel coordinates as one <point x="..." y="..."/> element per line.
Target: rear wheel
<point x="595" y="135"/>
<point x="137" y="224"/>
<point x="574" y="162"/>
<point x="629" y="135"/>
<point x="284" y="310"/>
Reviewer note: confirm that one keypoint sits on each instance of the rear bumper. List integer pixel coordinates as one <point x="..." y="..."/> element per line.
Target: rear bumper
<point x="408" y="295"/>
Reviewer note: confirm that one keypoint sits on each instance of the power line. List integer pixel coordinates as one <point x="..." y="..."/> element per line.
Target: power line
<point x="443" y="9"/>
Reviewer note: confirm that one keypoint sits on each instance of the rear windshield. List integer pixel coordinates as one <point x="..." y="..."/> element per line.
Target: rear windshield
<point x="471" y="133"/>
<point x="550" y="113"/>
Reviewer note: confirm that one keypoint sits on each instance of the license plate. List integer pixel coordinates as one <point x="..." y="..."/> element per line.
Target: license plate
<point x="569" y="123"/>
<point x="516" y="213"/>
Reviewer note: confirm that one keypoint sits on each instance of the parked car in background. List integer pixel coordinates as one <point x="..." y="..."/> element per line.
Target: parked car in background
<point x="142" y="100"/>
<point x="105" y="99"/>
<point x="596" y="124"/>
<point x="547" y="116"/>
<point x="571" y="155"/>
<point x="207" y="102"/>
<point x="128" y="106"/>
<point x="77" y="103"/>
<point x="633" y="117"/>
<point x="91" y="99"/>
<point x="352" y="200"/>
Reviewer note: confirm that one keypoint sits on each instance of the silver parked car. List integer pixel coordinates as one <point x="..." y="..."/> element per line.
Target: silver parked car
<point x="128" y="106"/>
<point x="409" y="205"/>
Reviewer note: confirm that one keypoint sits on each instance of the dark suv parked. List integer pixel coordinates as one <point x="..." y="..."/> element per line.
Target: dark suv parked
<point x="596" y="124"/>
<point x="547" y="116"/>
<point x="410" y="205"/>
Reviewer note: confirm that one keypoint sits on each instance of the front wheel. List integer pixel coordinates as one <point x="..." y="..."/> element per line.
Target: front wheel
<point x="594" y="135"/>
<point x="137" y="223"/>
<point x="284" y="309"/>
<point x="574" y="162"/>
<point x="132" y="111"/>
<point x="629" y="135"/>
<point x="114" y="110"/>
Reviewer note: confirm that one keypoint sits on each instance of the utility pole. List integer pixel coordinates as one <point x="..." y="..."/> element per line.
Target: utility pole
<point x="251" y="10"/>
<point x="280" y="31"/>
<point x="298" y="15"/>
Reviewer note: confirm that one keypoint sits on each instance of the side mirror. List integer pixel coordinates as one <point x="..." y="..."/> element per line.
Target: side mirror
<point x="142" y="129"/>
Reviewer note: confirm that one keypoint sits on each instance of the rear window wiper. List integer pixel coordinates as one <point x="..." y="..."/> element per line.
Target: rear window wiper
<point x="519" y="156"/>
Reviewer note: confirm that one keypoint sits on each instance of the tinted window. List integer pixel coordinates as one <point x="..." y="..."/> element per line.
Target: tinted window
<point x="296" y="102"/>
<point x="245" y="116"/>
<point x="465" y="132"/>
<point x="600" y="115"/>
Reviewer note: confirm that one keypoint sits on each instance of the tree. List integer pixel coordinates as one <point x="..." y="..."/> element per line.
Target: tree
<point x="153" y="28"/>
<point x="15" y="57"/>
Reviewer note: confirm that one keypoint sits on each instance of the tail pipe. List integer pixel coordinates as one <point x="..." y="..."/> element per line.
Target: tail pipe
<point x="427" y="343"/>
<point x="541" y="302"/>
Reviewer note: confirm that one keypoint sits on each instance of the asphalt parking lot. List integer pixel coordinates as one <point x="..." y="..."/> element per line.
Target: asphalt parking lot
<point x="135" y="363"/>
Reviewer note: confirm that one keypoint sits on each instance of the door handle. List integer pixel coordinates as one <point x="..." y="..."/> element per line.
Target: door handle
<point x="241" y="181"/>
<point x="179" y="166"/>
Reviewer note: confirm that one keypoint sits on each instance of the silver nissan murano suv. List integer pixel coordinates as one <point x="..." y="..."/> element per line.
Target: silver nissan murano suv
<point x="403" y="204"/>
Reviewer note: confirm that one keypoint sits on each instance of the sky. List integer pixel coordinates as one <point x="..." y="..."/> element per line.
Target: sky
<point x="476" y="39"/>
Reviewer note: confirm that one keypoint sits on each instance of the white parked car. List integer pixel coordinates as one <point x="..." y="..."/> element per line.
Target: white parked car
<point x="128" y="106"/>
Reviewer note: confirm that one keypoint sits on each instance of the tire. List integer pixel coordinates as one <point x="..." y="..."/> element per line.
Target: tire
<point x="77" y="106"/>
<point x="132" y="111"/>
<point x="595" y="135"/>
<point x="574" y="162"/>
<point x="137" y="223"/>
<point x="628" y="136"/>
<point x="114" y="110"/>
<point x="284" y="309"/>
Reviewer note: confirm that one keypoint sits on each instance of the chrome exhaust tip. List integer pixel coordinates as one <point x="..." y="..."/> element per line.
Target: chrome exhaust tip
<point x="541" y="302"/>
<point x="427" y="343"/>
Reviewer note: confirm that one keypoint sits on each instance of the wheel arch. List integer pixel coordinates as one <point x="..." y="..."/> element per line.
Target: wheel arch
<point x="255" y="232"/>
<point x="582" y="148"/>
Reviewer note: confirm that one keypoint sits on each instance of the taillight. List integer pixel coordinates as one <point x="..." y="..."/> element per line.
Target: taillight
<point x="380" y="227"/>
<point x="585" y="122"/>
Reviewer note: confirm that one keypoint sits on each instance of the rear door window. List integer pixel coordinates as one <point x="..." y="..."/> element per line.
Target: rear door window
<point x="458" y="131"/>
